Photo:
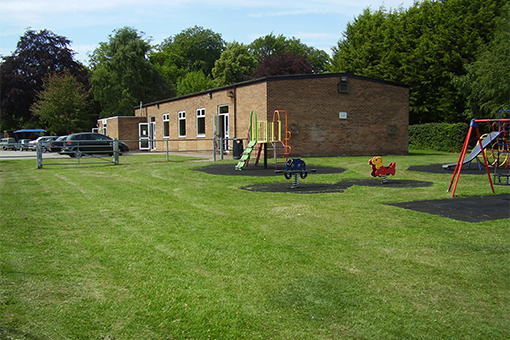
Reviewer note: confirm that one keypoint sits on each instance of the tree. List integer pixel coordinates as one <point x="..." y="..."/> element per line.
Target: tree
<point x="21" y="75"/>
<point x="486" y="84"/>
<point x="194" y="49"/>
<point x="422" y="47"/>
<point x="63" y="105"/>
<point x="235" y="64"/>
<point x="269" y="46"/>
<point x="194" y="82"/>
<point x="123" y="76"/>
<point x="283" y="63"/>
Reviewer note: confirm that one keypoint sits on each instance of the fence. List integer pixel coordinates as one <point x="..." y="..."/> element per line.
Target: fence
<point x="82" y="153"/>
<point x="77" y="149"/>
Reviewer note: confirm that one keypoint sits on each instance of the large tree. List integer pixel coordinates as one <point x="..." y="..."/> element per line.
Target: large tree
<point x="64" y="105"/>
<point x="235" y="64"/>
<point x="423" y="47"/>
<point x="283" y="63"/>
<point x="270" y="45"/>
<point x="193" y="82"/>
<point x="486" y="85"/>
<point x="37" y="54"/>
<point x="123" y="76"/>
<point x="194" y="49"/>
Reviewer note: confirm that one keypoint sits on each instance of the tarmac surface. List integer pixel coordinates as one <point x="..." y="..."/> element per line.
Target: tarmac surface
<point x="468" y="209"/>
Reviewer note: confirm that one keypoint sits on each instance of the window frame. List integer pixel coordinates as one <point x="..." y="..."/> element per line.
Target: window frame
<point x="200" y="114"/>
<point x="166" y="125"/>
<point x="181" y="116"/>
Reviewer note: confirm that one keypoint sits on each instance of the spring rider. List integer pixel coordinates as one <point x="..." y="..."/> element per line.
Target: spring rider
<point x="295" y="167"/>
<point x="379" y="170"/>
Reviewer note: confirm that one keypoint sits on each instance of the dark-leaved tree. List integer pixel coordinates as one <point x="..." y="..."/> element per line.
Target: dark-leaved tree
<point x="21" y="75"/>
<point x="283" y="63"/>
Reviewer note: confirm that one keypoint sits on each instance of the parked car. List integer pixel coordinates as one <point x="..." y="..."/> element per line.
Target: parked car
<point x="57" y="144"/>
<point x="9" y="144"/>
<point x="23" y="144"/>
<point x="88" y="143"/>
<point x="45" y="143"/>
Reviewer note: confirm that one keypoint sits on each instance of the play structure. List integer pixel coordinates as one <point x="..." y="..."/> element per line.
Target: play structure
<point x="295" y="168"/>
<point x="379" y="170"/>
<point x="493" y="148"/>
<point x="264" y="133"/>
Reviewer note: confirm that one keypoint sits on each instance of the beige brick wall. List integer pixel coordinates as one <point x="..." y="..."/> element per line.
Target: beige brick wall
<point x="376" y="123"/>
<point x="377" y="116"/>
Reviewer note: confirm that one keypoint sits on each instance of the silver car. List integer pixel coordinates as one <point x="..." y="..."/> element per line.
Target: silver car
<point x="9" y="144"/>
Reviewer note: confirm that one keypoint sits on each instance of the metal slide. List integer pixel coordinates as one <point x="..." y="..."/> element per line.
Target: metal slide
<point x="476" y="151"/>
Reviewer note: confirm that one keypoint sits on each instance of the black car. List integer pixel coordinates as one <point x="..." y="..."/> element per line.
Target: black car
<point x="87" y="143"/>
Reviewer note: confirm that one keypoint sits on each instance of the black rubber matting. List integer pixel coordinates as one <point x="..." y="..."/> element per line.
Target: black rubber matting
<point x="320" y="188"/>
<point x="259" y="171"/>
<point x="438" y="169"/>
<point x="469" y="209"/>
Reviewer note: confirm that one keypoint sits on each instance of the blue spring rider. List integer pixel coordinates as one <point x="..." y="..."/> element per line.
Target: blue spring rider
<point x="295" y="167"/>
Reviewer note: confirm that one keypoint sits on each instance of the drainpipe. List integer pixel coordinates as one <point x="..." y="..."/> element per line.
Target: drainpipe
<point x="235" y="113"/>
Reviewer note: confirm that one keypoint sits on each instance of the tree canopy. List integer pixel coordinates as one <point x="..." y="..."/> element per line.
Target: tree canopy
<point x="38" y="53"/>
<point x="486" y="84"/>
<point x="193" y="49"/>
<point x="283" y="63"/>
<point x="269" y="46"/>
<point x="235" y="64"/>
<point x="123" y="76"/>
<point x="424" y="47"/>
<point x="63" y="105"/>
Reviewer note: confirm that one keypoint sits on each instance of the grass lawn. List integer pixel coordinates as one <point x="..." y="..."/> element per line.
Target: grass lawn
<point x="151" y="250"/>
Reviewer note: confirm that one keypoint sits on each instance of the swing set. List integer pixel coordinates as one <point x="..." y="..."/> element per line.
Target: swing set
<point x="494" y="154"/>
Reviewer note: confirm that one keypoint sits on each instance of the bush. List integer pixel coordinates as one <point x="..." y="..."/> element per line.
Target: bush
<point x="438" y="136"/>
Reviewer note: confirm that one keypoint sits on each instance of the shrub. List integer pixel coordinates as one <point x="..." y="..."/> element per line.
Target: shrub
<point x="438" y="136"/>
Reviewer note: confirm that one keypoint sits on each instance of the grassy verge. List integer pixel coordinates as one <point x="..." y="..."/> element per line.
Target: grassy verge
<point x="151" y="250"/>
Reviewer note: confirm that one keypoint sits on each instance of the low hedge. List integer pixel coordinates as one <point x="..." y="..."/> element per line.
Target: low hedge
<point x="438" y="136"/>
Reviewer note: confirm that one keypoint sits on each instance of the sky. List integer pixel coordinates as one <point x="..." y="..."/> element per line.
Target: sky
<point x="86" y="23"/>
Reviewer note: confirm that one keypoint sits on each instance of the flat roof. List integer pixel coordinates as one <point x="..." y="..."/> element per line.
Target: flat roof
<point x="274" y="78"/>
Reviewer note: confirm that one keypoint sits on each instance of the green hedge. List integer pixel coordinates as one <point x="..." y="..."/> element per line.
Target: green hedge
<point x="438" y="136"/>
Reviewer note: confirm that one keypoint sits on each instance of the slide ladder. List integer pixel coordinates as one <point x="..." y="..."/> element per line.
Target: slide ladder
<point x="245" y="157"/>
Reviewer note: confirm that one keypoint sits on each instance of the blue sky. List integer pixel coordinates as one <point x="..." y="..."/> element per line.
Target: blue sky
<point x="317" y="23"/>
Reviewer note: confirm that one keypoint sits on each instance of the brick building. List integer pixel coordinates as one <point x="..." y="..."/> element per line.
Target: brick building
<point x="328" y="115"/>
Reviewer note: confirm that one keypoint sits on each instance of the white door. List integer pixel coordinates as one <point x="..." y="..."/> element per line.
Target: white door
<point x="223" y="128"/>
<point x="144" y="140"/>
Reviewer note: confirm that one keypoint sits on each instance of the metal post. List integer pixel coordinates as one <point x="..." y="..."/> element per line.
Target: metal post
<point x="214" y="148"/>
<point x="39" y="156"/>
<point x="115" y="151"/>
<point x="167" y="151"/>
<point x="221" y="147"/>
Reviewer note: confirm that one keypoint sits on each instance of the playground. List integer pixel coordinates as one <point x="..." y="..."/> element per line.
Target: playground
<point x="162" y="248"/>
<point x="490" y="153"/>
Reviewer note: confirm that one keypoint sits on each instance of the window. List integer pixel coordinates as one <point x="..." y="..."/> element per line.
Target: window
<point x="200" y="122"/>
<point x="182" y="124"/>
<point x="223" y="109"/>
<point x="105" y="122"/>
<point x="166" y="125"/>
